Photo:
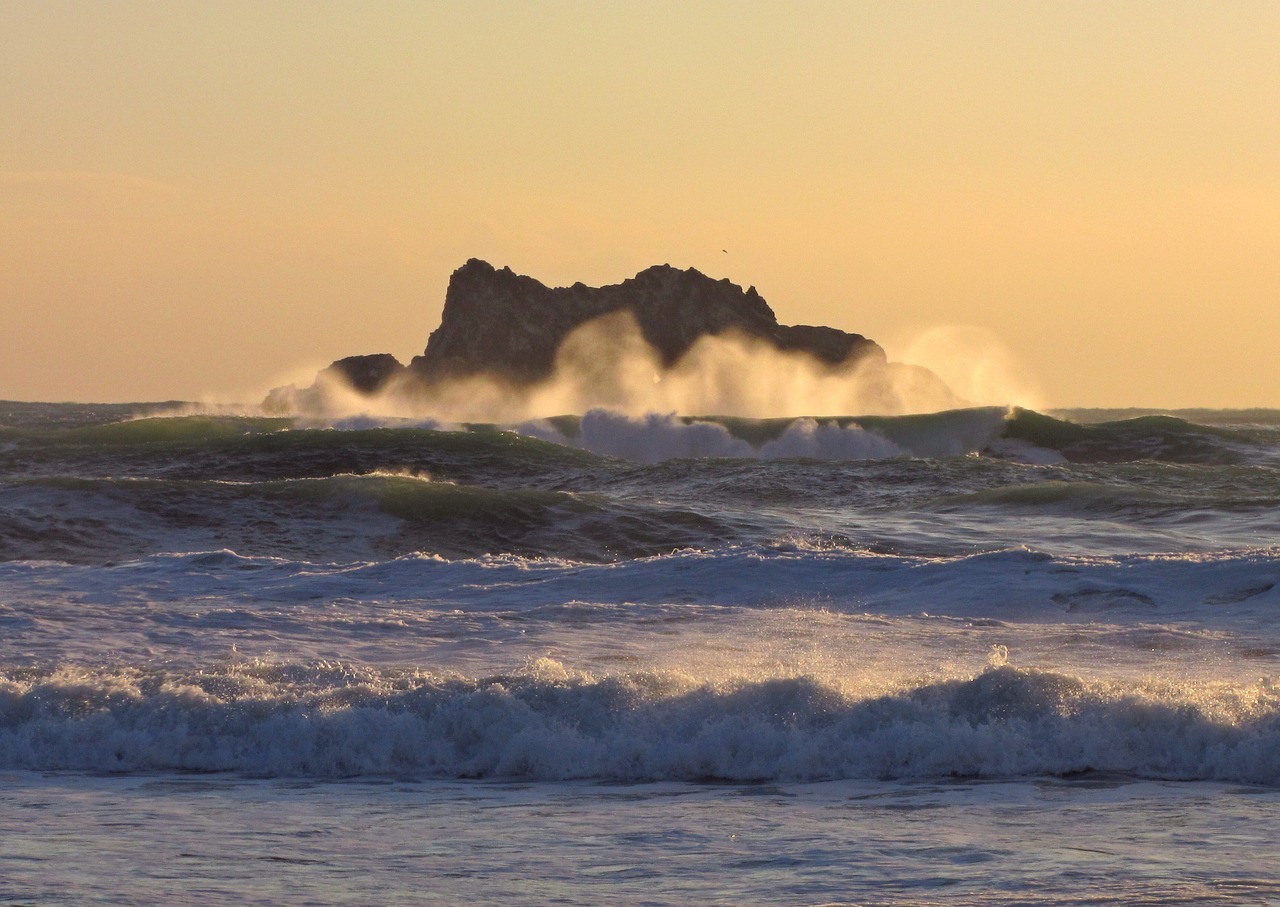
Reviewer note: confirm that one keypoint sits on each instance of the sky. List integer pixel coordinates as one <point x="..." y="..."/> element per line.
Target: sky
<point x="201" y="200"/>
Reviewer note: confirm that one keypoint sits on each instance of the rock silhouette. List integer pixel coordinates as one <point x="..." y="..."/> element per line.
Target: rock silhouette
<point x="508" y="327"/>
<point x="505" y="324"/>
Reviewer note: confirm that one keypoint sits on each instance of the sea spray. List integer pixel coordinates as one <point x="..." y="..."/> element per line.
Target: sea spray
<point x="324" y="720"/>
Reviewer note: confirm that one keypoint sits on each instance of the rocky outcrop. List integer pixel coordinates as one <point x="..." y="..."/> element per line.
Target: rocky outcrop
<point x="364" y="374"/>
<point x="501" y="323"/>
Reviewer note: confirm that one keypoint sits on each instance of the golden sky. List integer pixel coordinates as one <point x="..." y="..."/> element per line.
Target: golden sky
<point x="199" y="200"/>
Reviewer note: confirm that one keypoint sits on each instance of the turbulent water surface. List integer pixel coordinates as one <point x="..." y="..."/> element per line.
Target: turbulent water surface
<point x="969" y="656"/>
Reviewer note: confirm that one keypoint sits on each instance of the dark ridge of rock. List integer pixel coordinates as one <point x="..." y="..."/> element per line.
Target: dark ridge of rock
<point x="831" y="345"/>
<point x="504" y="325"/>
<point x="366" y="374"/>
<point x="501" y="323"/>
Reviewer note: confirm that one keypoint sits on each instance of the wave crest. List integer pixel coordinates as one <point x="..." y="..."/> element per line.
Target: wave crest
<point x="550" y="723"/>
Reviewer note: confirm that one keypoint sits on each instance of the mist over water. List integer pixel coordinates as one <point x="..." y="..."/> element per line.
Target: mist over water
<point x="976" y="364"/>
<point x="606" y="364"/>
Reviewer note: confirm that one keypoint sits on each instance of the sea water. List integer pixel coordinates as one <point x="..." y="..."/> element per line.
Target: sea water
<point x="974" y="656"/>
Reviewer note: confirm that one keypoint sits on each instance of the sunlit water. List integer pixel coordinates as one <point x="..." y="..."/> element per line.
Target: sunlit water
<point x="971" y="657"/>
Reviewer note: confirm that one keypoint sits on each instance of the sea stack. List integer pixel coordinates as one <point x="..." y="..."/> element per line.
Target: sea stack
<point x="508" y="327"/>
<point x="502" y="323"/>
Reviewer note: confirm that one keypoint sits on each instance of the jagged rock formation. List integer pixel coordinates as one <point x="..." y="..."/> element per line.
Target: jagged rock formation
<point x="501" y="323"/>
<point x="365" y="374"/>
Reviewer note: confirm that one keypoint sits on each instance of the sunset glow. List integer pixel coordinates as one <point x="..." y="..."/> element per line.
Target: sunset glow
<point x="199" y="201"/>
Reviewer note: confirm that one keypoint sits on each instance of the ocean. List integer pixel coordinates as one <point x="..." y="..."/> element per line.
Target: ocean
<point x="979" y="656"/>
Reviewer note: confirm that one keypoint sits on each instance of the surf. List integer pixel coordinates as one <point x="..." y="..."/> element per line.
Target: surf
<point x="327" y="720"/>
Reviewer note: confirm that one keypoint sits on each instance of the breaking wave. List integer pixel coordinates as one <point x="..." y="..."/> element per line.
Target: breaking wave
<point x="995" y="431"/>
<point x="328" y="720"/>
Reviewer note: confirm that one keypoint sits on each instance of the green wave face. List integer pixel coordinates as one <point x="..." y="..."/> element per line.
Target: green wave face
<point x="93" y="491"/>
<point x="1161" y="438"/>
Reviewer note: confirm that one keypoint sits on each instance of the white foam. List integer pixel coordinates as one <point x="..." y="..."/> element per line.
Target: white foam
<point x="655" y="437"/>
<point x="647" y="439"/>
<point x="547" y="722"/>
<point x="828" y="441"/>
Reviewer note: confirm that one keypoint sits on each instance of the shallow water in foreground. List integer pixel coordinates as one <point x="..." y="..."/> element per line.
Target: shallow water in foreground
<point x="224" y="840"/>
